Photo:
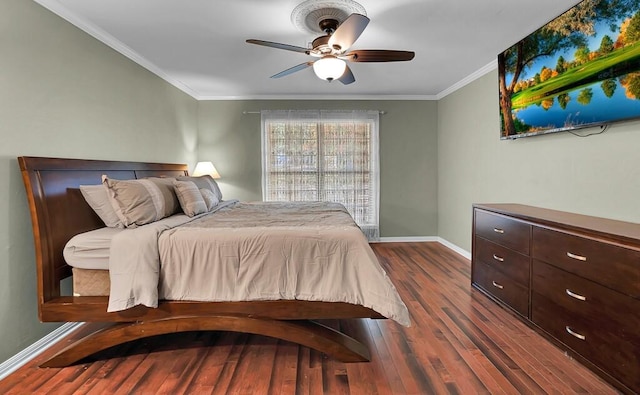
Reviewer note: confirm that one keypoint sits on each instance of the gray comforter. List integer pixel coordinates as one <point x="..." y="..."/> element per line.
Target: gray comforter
<point x="252" y="251"/>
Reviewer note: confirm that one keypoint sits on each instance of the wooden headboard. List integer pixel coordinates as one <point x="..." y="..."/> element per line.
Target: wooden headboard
<point x="59" y="212"/>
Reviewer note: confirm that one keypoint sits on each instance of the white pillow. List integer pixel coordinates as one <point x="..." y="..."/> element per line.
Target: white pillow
<point x="96" y="196"/>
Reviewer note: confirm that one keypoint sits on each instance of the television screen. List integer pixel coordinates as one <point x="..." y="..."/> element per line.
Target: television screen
<point x="582" y="69"/>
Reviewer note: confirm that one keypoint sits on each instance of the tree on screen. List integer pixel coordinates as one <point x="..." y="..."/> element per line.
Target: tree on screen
<point x="570" y="30"/>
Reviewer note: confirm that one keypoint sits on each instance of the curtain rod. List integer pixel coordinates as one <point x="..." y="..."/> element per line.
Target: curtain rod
<point x="258" y="112"/>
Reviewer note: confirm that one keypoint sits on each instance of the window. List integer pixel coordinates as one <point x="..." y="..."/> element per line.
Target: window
<point x="323" y="156"/>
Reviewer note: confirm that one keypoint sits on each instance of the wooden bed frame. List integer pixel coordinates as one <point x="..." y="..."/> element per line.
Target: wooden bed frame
<point x="58" y="212"/>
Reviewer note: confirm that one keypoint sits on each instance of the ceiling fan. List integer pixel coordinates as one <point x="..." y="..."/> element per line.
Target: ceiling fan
<point x="331" y="50"/>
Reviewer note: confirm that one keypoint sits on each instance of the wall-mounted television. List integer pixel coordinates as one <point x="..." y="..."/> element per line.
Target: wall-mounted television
<point x="580" y="70"/>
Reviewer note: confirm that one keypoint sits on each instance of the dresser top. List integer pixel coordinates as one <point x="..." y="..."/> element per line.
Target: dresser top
<point x="620" y="231"/>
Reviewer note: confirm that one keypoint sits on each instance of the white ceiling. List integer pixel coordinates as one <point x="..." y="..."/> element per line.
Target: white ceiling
<point x="199" y="45"/>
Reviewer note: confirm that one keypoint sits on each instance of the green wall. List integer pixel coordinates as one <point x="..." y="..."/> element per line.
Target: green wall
<point x="64" y="94"/>
<point x="408" y="155"/>
<point x="597" y="175"/>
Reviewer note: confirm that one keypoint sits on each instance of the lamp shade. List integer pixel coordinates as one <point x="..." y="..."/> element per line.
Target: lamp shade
<point x="205" y="168"/>
<point x="329" y="68"/>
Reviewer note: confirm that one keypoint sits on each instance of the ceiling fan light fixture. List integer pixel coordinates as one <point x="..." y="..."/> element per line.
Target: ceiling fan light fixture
<point x="329" y="68"/>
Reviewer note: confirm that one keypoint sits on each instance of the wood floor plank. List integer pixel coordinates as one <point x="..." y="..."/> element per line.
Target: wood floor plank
<point x="382" y="354"/>
<point x="303" y="372"/>
<point x="117" y="370"/>
<point x="229" y="367"/>
<point x="472" y="357"/>
<point x="429" y="304"/>
<point x="257" y="361"/>
<point x="460" y="342"/>
<point x="373" y="377"/>
<point x="284" y="369"/>
<point x="334" y="377"/>
<point x="218" y="349"/>
<point x="186" y="365"/>
<point x="445" y="358"/>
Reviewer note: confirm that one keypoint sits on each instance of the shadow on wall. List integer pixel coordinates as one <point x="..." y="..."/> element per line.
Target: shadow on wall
<point x="18" y="305"/>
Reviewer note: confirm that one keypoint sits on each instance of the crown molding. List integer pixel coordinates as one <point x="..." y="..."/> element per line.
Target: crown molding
<point x="468" y="79"/>
<point x="319" y="97"/>
<point x="106" y="38"/>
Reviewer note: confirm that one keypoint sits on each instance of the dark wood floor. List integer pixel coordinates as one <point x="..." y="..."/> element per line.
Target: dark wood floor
<point x="460" y="342"/>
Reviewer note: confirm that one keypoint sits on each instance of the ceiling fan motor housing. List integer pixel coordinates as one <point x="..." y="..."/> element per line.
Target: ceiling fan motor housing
<point x="328" y="25"/>
<point x="321" y="46"/>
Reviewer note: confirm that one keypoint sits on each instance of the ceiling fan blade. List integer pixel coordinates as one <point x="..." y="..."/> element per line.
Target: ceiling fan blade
<point x="378" y="55"/>
<point x="348" y="32"/>
<point x="292" y="70"/>
<point x="286" y="47"/>
<point x="347" y="78"/>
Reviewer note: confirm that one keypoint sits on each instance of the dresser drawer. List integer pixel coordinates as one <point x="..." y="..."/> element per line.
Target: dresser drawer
<point x="503" y="230"/>
<point x="596" y="305"/>
<point x="509" y="262"/>
<point x="502" y="287"/>
<point x="612" y="266"/>
<point x="618" y="356"/>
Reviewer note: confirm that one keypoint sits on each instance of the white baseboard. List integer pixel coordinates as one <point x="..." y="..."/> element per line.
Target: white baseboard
<point x="455" y="248"/>
<point x="412" y="239"/>
<point x="12" y="364"/>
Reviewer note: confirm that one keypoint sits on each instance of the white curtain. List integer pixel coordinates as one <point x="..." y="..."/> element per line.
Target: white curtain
<point x="323" y="155"/>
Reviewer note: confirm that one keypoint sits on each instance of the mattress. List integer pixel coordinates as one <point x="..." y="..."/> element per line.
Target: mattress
<point x="90" y="250"/>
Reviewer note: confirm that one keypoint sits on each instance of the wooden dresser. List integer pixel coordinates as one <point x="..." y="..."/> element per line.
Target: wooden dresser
<point x="574" y="278"/>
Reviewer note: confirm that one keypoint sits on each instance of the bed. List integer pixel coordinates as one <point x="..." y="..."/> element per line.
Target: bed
<point x="59" y="212"/>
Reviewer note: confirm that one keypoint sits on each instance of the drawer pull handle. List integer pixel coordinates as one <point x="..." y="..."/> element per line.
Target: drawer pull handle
<point x="578" y="257"/>
<point x="498" y="258"/>
<point x="498" y="230"/>
<point x="495" y="284"/>
<point x="575" y="295"/>
<point x="575" y="334"/>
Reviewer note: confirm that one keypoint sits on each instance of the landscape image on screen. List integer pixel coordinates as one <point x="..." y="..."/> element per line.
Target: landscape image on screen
<point x="579" y="70"/>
